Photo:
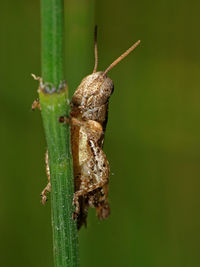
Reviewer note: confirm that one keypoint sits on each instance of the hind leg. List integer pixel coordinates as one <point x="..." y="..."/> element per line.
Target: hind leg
<point x="48" y="186"/>
<point x="94" y="171"/>
<point x="84" y="190"/>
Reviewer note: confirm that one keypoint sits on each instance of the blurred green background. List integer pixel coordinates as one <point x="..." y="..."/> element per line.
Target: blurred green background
<point x="152" y="139"/>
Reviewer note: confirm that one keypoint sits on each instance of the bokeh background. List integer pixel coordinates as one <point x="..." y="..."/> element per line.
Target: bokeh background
<point x="152" y="139"/>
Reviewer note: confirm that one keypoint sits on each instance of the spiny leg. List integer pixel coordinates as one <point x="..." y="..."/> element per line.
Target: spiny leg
<point x="83" y="191"/>
<point x="48" y="187"/>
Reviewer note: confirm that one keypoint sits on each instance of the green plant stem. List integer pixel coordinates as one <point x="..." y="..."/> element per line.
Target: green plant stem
<point x="53" y="100"/>
<point x="52" y="41"/>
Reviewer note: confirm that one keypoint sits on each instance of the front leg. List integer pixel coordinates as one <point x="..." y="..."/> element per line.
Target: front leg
<point x="36" y="104"/>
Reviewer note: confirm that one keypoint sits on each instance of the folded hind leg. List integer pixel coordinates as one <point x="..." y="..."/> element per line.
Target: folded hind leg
<point x="86" y="188"/>
<point x="48" y="187"/>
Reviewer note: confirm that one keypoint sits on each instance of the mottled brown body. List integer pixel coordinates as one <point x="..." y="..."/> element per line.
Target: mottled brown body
<point x="88" y="119"/>
<point x="89" y="109"/>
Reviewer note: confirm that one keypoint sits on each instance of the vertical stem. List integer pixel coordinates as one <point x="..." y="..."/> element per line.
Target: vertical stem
<point x="53" y="100"/>
<point x="52" y="41"/>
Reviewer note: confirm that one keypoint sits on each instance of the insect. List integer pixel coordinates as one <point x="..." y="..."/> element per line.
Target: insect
<point x="88" y="119"/>
<point x="89" y="113"/>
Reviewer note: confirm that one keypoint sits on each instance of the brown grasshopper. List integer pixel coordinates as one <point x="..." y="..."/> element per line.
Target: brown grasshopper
<point x="89" y="113"/>
<point x="88" y="119"/>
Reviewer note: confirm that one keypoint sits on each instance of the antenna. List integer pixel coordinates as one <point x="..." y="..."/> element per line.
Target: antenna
<point x="121" y="57"/>
<point x="95" y="49"/>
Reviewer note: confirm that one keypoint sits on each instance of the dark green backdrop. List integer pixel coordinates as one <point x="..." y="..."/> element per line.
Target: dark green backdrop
<point x="152" y="139"/>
